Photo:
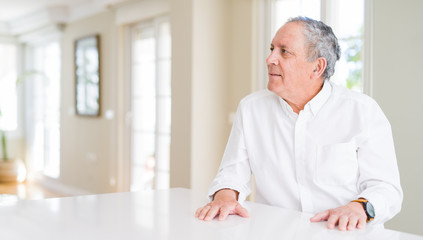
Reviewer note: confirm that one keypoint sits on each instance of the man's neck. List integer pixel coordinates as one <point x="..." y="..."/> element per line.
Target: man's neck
<point x="298" y="104"/>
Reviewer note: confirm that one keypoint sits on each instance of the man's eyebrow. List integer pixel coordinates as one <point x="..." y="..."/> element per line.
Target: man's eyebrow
<point x="280" y="46"/>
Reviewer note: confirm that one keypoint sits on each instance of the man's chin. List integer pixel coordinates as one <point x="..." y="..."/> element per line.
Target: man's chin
<point x="273" y="88"/>
<point x="279" y="90"/>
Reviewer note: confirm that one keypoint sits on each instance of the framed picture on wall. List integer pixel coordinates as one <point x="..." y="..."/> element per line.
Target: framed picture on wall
<point x="87" y="76"/>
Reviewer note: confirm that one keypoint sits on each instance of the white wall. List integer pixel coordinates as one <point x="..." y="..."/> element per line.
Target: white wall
<point x="180" y="153"/>
<point x="398" y="84"/>
<point x="211" y="72"/>
<point x="241" y="69"/>
<point x="209" y="89"/>
<point x="199" y="89"/>
<point x="88" y="144"/>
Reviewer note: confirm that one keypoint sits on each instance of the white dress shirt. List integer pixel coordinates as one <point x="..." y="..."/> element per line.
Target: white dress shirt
<point x="337" y="149"/>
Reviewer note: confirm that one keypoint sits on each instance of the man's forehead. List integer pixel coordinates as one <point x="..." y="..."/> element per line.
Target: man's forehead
<point x="289" y="34"/>
<point x="291" y="30"/>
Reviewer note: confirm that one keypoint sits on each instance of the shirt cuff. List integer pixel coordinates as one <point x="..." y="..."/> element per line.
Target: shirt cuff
<point x="243" y="191"/>
<point x="379" y="205"/>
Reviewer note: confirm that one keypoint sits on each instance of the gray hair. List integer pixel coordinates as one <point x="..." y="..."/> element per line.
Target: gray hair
<point x="320" y="42"/>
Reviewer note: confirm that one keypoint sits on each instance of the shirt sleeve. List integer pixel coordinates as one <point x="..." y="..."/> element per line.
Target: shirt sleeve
<point x="234" y="171"/>
<point x="379" y="180"/>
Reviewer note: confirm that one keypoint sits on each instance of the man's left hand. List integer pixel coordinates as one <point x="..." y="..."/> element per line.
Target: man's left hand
<point x="347" y="217"/>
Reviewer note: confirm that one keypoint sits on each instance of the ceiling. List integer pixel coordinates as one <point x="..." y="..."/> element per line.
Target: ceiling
<point x="21" y="16"/>
<point x="11" y="10"/>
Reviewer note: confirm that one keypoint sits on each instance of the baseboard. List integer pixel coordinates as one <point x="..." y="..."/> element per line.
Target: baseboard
<point x="57" y="186"/>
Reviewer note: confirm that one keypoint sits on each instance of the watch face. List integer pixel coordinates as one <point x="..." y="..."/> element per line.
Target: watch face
<point x="370" y="210"/>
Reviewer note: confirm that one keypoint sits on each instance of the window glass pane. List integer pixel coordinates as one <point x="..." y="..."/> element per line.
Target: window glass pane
<point x="285" y="9"/>
<point x="151" y="105"/>
<point x="143" y="161"/>
<point x="347" y="17"/>
<point x="143" y="76"/>
<point x="143" y="108"/>
<point x="52" y="110"/>
<point x="144" y="114"/>
<point x="8" y="103"/>
<point x="43" y="110"/>
<point x="162" y="167"/>
<point x="347" y="21"/>
<point x="144" y="45"/>
<point x="163" y="117"/>
<point x="52" y="153"/>
<point x="349" y="68"/>
<point x="164" y="50"/>
<point x="164" y="76"/>
<point x="163" y="151"/>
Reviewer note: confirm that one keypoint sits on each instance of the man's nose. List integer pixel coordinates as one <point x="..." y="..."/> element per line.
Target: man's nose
<point x="272" y="59"/>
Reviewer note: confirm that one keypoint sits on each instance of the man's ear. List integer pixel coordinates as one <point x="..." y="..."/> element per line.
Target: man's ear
<point x="319" y="68"/>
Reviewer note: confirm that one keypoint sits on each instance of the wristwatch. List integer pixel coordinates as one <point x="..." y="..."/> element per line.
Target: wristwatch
<point x="368" y="208"/>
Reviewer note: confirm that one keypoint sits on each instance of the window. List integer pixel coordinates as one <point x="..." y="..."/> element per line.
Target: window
<point x="346" y="17"/>
<point x="43" y="108"/>
<point x="150" y="104"/>
<point x="282" y="10"/>
<point x="8" y="97"/>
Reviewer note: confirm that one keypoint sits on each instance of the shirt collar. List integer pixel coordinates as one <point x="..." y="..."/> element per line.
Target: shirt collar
<point x="314" y="104"/>
<point x="317" y="102"/>
<point x="288" y="110"/>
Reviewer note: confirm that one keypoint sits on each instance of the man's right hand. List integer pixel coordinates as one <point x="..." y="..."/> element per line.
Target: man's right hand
<point x="225" y="202"/>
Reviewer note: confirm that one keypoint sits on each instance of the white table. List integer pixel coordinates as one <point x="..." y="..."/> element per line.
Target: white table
<point x="161" y="214"/>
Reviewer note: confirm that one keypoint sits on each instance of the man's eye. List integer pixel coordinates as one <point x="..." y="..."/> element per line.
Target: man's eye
<point x="284" y="51"/>
<point x="271" y="49"/>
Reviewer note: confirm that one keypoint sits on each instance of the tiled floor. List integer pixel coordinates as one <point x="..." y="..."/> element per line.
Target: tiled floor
<point x="26" y="190"/>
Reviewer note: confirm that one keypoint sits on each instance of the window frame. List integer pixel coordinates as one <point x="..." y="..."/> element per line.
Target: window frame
<point x="263" y="17"/>
<point x="18" y="131"/>
<point x="154" y="22"/>
<point x="36" y="169"/>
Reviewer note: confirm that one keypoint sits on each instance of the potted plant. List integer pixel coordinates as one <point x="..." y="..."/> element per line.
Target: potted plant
<point x="11" y="169"/>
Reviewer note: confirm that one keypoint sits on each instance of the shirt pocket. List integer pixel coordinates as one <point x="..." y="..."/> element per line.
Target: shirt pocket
<point x="336" y="164"/>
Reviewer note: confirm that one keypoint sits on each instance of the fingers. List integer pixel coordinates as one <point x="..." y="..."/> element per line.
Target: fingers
<point x="202" y="212"/>
<point x="352" y="224"/>
<point x="211" y="210"/>
<point x="346" y="223"/>
<point x="207" y="212"/>
<point x="214" y="210"/>
<point x="224" y="212"/>
<point x="197" y="213"/>
<point x="332" y="221"/>
<point x="342" y="222"/>
<point x="323" y="216"/>
<point x="239" y="210"/>
<point x="348" y="217"/>
<point x="362" y="223"/>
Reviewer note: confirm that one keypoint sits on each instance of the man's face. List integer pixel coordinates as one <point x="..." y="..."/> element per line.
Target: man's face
<point x="290" y="74"/>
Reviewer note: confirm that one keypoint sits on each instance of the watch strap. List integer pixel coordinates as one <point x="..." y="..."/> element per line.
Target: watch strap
<point x="364" y="202"/>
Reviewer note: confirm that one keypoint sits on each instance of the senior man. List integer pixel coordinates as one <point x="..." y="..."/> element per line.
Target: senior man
<point x="311" y="145"/>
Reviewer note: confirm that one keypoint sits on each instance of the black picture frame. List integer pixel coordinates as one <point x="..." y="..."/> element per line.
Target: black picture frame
<point x="87" y="76"/>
